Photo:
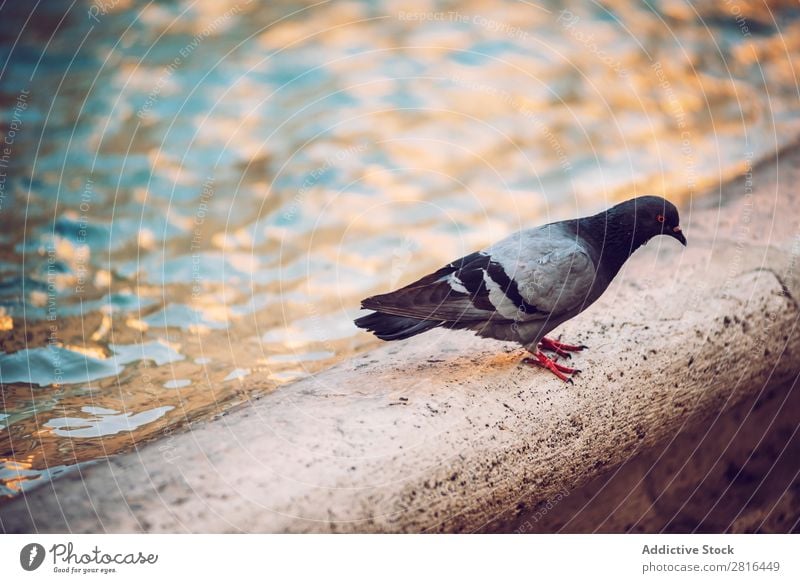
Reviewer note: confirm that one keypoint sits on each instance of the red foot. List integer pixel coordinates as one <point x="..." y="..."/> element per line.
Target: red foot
<point x="560" y="348"/>
<point x="552" y="366"/>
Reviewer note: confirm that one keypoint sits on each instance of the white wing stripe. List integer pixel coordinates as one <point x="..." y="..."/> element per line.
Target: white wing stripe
<point x="504" y="306"/>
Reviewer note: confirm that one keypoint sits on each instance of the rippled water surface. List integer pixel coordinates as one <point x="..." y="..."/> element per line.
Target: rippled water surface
<point x="195" y="195"/>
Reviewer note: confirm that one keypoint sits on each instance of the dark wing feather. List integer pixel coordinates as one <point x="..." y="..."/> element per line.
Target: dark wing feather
<point x="434" y="298"/>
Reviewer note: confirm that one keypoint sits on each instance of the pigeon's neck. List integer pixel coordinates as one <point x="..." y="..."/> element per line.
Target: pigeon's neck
<point x="613" y="235"/>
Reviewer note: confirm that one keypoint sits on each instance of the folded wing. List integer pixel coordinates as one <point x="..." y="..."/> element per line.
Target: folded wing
<point x="529" y="276"/>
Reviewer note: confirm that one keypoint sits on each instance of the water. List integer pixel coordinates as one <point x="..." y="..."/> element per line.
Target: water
<point x="195" y="195"/>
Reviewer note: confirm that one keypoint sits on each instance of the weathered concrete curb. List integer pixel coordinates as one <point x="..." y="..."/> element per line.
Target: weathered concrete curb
<point x="447" y="432"/>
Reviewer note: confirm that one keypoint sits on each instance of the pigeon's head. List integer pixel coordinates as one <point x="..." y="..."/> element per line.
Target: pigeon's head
<point x="651" y="216"/>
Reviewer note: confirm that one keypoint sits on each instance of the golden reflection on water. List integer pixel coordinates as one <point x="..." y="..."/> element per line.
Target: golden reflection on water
<point x="217" y="187"/>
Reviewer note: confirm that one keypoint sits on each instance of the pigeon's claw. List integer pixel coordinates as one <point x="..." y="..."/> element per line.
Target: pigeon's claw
<point x="551" y="365"/>
<point x="552" y="348"/>
<point x="560" y="348"/>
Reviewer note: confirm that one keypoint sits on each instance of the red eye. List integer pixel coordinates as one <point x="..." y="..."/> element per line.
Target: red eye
<point x="660" y="218"/>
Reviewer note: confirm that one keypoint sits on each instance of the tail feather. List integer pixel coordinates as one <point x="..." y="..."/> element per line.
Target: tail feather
<point x="390" y="327"/>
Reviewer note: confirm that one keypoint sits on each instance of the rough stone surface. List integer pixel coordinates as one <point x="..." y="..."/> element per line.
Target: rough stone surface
<point x="450" y="433"/>
<point x="736" y="473"/>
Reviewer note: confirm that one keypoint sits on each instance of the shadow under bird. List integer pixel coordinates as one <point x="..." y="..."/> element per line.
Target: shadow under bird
<point x="524" y="286"/>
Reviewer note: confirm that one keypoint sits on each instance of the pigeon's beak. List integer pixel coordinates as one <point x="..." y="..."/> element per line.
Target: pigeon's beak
<point x="678" y="234"/>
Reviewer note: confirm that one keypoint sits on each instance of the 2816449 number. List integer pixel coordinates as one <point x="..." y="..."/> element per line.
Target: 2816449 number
<point x="754" y="566"/>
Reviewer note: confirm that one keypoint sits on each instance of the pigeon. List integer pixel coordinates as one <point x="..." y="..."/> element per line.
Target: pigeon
<point x="526" y="285"/>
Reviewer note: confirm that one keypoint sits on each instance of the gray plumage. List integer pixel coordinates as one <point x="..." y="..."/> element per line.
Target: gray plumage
<point x="524" y="286"/>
